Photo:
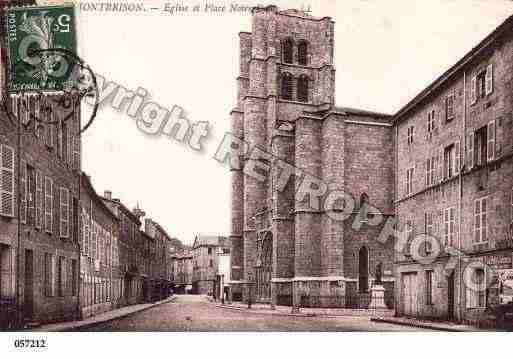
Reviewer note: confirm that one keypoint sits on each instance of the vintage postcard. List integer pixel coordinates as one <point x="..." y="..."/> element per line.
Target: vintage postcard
<point x="244" y="166"/>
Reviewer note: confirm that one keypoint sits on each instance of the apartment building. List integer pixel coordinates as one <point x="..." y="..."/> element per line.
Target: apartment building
<point x="100" y="283"/>
<point x="205" y="252"/>
<point x="454" y="180"/>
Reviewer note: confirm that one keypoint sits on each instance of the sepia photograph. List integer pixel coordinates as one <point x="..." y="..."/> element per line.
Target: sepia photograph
<point x="294" y="170"/>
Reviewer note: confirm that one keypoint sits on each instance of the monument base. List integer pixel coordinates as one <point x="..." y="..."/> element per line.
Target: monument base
<point x="377" y="297"/>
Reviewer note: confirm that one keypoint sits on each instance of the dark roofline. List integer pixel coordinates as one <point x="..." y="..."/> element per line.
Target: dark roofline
<point x="360" y="112"/>
<point x="124" y="208"/>
<point x="499" y="30"/>
<point x="98" y="198"/>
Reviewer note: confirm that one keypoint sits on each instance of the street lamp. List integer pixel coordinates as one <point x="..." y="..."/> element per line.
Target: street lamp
<point x="249" y="289"/>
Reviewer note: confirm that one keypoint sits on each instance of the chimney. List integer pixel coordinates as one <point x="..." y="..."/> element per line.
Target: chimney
<point x="107" y="195"/>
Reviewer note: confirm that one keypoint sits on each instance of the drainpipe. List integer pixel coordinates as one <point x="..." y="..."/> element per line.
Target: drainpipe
<point x="460" y="197"/>
<point x="18" y="215"/>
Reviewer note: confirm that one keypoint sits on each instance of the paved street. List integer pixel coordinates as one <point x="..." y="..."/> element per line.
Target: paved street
<point x="196" y="313"/>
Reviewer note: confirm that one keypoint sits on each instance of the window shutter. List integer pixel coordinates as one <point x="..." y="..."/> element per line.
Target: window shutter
<point x="52" y="276"/>
<point x="457" y="158"/>
<point x="50" y="125"/>
<point x="37" y="124"/>
<point x="48" y="204"/>
<point x="470" y="151"/>
<point x="489" y="79"/>
<point x="59" y="139"/>
<point x="39" y="199"/>
<point x="7" y="181"/>
<point x="23" y="191"/>
<point x="491" y="141"/>
<point x="428" y="168"/>
<point x="64" y="213"/>
<point x="473" y="87"/>
<point x="15" y="106"/>
<point x="76" y="152"/>
<point x="441" y="164"/>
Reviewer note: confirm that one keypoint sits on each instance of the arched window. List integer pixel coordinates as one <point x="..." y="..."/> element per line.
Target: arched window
<point x="302" y="53"/>
<point x="288" y="51"/>
<point x="286" y="86"/>
<point x="302" y="88"/>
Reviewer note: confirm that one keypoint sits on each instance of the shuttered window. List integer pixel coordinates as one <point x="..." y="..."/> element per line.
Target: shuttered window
<point x="491" y="141"/>
<point x="23" y="191"/>
<point x="39" y="199"/>
<point x="473" y="90"/>
<point x="49" y="275"/>
<point x="64" y="213"/>
<point x="489" y="79"/>
<point x="7" y="181"/>
<point x="480" y="221"/>
<point x="48" y="204"/>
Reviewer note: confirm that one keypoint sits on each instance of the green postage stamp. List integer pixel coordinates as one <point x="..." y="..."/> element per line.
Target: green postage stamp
<point x="38" y="39"/>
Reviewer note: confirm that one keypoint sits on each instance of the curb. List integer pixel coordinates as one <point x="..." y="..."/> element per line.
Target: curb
<point x="87" y="325"/>
<point x="300" y="315"/>
<point x="419" y="325"/>
<point x="252" y="311"/>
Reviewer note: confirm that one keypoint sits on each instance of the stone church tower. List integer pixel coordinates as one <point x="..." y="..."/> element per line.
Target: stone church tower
<point x="284" y="251"/>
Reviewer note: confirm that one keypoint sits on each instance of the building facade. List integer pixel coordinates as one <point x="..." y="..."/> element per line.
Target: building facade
<point x="290" y="248"/>
<point x="100" y="280"/>
<point x="182" y="271"/>
<point x="130" y="249"/>
<point x="205" y="252"/>
<point x="39" y="207"/>
<point x="454" y="178"/>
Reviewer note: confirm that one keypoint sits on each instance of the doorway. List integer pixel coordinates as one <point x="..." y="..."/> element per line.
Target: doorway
<point x="28" y="303"/>
<point x="450" y="297"/>
<point x="409" y="294"/>
<point x="363" y="270"/>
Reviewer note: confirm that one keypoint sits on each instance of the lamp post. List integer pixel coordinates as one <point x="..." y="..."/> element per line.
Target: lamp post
<point x="249" y="289"/>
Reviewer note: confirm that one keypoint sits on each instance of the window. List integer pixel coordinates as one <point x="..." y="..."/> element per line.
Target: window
<point x="211" y="263"/>
<point x="480" y="221"/>
<point x="6" y="181"/>
<point x="286" y="86"/>
<point x="302" y="88"/>
<point x="429" y="230"/>
<point x="449" y="226"/>
<point x="449" y="107"/>
<point x="288" y="51"/>
<point x="410" y="135"/>
<point x="431" y="171"/>
<point x="64" y="213"/>
<point x="209" y="250"/>
<point x="480" y="146"/>
<point x="39" y="199"/>
<point x="476" y="292"/>
<point x="302" y="53"/>
<point x="409" y="181"/>
<point x="408" y="232"/>
<point x="448" y="161"/>
<point x="511" y="207"/>
<point x="48" y="204"/>
<point x="431" y="123"/>
<point x="429" y="287"/>
<point x="481" y="85"/>
<point x="23" y="191"/>
<point x="49" y="285"/>
<point x="31" y="195"/>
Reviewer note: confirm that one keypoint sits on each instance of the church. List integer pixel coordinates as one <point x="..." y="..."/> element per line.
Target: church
<point x="284" y="251"/>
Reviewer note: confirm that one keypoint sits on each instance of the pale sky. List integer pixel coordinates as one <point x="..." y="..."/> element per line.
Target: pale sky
<point x="385" y="53"/>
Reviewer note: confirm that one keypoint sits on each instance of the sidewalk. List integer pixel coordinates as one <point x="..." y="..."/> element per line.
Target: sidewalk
<point x="307" y="312"/>
<point x="424" y="324"/>
<point x="100" y="318"/>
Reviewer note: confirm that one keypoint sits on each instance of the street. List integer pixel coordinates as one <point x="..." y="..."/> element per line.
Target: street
<point x="196" y="313"/>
